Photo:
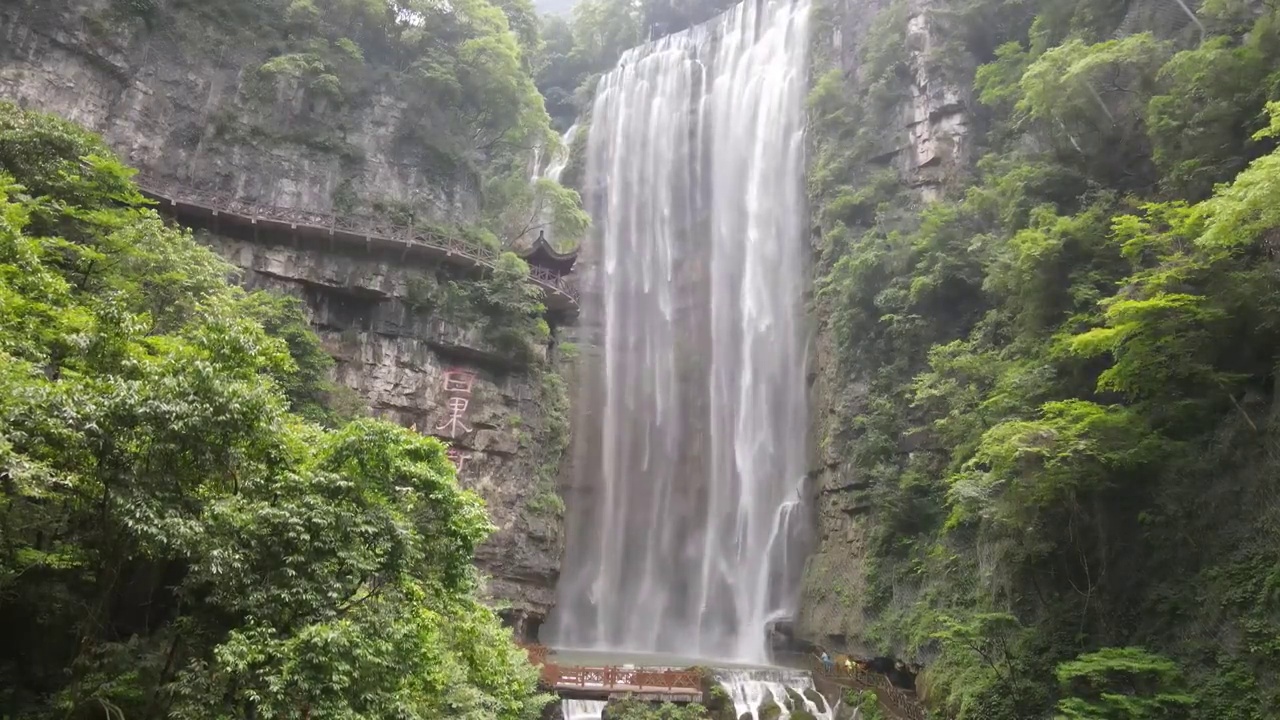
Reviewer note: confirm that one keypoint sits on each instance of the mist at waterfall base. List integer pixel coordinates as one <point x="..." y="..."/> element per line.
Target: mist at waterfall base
<point x="686" y="529"/>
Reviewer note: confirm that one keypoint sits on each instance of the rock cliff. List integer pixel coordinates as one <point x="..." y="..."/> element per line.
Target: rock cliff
<point x="409" y="367"/>
<point x="182" y="97"/>
<point x="917" y="127"/>
<point x="183" y="100"/>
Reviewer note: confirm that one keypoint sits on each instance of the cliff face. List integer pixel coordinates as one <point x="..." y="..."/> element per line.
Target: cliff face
<point x="185" y="101"/>
<point x="188" y="107"/>
<point x="1019" y="478"/>
<point x="918" y="135"/>
<point x="409" y="367"/>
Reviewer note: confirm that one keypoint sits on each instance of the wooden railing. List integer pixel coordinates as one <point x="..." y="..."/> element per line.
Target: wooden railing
<point x="537" y="653"/>
<point x="611" y="676"/>
<point x="364" y="226"/>
<point x="900" y="702"/>
<point x="607" y="677"/>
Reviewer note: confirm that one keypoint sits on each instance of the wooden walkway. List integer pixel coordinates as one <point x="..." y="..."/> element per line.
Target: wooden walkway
<point x="608" y="682"/>
<point x="603" y="683"/>
<point x="898" y="702"/>
<point x="406" y="243"/>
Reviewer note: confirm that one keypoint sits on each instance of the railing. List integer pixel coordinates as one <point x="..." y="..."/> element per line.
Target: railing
<point x="610" y="677"/>
<point x="537" y="653"/>
<point x="631" y="678"/>
<point x="362" y="225"/>
<point x="899" y="701"/>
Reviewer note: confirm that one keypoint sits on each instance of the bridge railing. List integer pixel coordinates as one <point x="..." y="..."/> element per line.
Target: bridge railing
<point x="609" y="676"/>
<point x="354" y="224"/>
<point x="612" y="676"/>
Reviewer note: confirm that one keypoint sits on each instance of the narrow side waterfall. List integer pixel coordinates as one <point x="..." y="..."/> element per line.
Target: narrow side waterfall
<point x="686" y="532"/>
<point x="554" y="168"/>
<point x="790" y="690"/>
<point x="560" y="159"/>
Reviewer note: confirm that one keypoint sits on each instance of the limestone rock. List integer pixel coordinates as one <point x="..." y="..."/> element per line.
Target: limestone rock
<point x="396" y="360"/>
<point x="176" y="101"/>
<point x="794" y="699"/>
<point x="769" y="709"/>
<point x="929" y="143"/>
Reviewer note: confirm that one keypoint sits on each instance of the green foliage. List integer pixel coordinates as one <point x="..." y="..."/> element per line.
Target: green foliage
<point x="865" y="702"/>
<point x="310" y="392"/>
<point x="639" y="710"/>
<point x="1122" y="684"/>
<point x="549" y="444"/>
<point x="512" y="308"/>
<point x="1054" y="383"/>
<point x="503" y="304"/>
<point x="175" y="540"/>
<point x="522" y="210"/>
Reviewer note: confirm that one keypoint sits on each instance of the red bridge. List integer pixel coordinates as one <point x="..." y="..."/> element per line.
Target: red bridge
<point x="403" y="242"/>
<point x="603" y="683"/>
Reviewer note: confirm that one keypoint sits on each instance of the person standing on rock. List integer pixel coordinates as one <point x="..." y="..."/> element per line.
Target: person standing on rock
<point x="827" y="665"/>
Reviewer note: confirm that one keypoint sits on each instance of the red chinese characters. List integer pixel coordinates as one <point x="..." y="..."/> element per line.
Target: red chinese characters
<point x="457" y="383"/>
<point x="457" y="457"/>
<point x="457" y="387"/>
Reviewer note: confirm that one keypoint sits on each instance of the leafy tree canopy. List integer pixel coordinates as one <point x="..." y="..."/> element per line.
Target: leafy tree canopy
<point x="1054" y="384"/>
<point x="177" y="538"/>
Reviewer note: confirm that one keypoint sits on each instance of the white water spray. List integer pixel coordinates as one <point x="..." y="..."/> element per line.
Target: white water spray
<point x="554" y="169"/>
<point x="749" y="690"/>
<point x="687" y="526"/>
<point x="582" y="709"/>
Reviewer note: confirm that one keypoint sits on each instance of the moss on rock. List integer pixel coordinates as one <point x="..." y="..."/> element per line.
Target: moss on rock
<point x="794" y="699"/>
<point x="769" y="709"/>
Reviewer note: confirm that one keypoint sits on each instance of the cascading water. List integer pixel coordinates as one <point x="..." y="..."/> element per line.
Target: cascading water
<point x="560" y="160"/>
<point x="788" y="689"/>
<point x="686" y="534"/>
<point x="582" y="709"/>
<point x="554" y="169"/>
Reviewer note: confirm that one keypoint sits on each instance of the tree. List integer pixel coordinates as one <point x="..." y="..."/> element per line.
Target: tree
<point x="1122" y="684"/>
<point x="176" y="542"/>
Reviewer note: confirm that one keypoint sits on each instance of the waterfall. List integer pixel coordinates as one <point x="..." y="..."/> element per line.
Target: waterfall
<point x="685" y="530"/>
<point x="554" y="169"/>
<point x="560" y="160"/>
<point x="750" y="688"/>
<point x="582" y="709"/>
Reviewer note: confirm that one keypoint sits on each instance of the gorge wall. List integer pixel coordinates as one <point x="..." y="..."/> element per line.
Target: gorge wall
<point x="181" y="96"/>
<point x="1025" y="459"/>
<point x="916" y="137"/>
<point x="406" y="364"/>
